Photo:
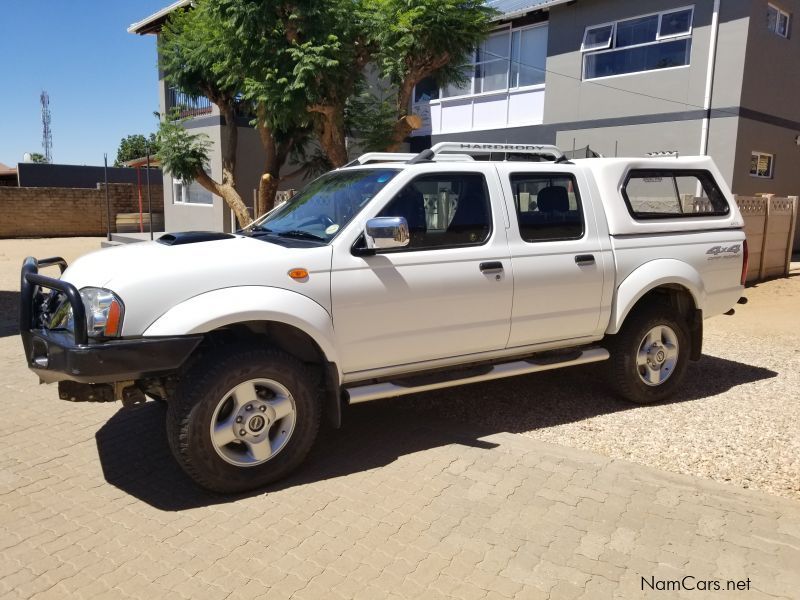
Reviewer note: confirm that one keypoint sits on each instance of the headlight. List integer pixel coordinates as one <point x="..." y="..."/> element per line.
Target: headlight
<point x="104" y="312"/>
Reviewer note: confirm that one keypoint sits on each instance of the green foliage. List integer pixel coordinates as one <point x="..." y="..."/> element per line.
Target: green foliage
<point x="38" y="157"/>
<point x="302" y="63"/>
<point x="420" y="38"/>
<point x="181" y="153"/>
<point x="197" y="57"/>
<point x="135" y="146"/>
<point x="370" y="116"/>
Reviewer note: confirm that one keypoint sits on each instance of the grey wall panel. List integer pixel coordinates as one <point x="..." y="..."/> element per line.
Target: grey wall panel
<point x="78" y="176"/>
<point x="772" y="66"/>
<point x="568" y="98"/>
<point x="763" y="137"/>
<point x="635" y="140"/>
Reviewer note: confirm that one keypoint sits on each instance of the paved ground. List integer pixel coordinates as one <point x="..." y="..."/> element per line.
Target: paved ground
<point x="399" y="503"/>
<point x="735" y="419"/>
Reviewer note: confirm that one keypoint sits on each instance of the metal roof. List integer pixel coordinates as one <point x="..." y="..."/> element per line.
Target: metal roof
<point x="515" y="8"/>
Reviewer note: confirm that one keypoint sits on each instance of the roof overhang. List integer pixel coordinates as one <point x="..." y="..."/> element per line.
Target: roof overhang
<point x="155" y="22"/>
<point x="142" y="162"/>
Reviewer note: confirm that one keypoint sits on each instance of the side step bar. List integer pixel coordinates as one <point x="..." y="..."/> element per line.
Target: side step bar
<point x="377" y="391"/>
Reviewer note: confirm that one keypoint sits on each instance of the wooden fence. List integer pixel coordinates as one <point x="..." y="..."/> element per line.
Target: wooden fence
<point x="770" y="225"/>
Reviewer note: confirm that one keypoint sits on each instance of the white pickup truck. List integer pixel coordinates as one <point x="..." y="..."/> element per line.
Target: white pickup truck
<point x="395" y="274"/>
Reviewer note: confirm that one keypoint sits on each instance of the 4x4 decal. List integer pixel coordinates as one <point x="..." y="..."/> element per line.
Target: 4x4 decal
<point x="728" y="251"/>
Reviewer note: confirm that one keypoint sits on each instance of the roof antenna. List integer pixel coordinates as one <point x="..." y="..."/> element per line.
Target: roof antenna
<point x="616" y="142"/>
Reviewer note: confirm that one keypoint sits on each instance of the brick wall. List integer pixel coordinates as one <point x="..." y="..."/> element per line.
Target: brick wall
<point x="61" y="212"/>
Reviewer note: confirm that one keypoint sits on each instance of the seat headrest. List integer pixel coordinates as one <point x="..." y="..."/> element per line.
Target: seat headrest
<point x="553" y="198"/>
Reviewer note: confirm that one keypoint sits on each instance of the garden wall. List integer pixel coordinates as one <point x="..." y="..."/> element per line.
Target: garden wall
<point x="62" y="212"/>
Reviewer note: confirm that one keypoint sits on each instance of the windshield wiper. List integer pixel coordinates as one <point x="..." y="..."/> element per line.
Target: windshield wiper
<point x="298" y="233"/>
<point x="260" y="228"/>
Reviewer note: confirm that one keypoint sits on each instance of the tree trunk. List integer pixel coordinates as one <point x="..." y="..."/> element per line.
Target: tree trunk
<point x="267" y="189"/>
<point x="401" y="130"/>
<point x="329" y="123"/>
<point x="406" y="122"/>
<point x="268" y="184"/>
<point x="227" y="193"/>
<point x="227" y="188"/>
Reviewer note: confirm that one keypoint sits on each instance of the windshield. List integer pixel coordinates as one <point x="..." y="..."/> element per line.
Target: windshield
<point x="325" y="205"/>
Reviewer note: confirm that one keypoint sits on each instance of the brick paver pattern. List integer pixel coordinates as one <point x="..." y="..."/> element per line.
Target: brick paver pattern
<point x="393" y="505"/>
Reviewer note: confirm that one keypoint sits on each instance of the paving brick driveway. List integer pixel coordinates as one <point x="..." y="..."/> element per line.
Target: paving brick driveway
<point x="394" y="505"/>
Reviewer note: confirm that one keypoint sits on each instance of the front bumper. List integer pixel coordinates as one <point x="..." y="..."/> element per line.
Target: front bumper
<point x="63" y="356"/>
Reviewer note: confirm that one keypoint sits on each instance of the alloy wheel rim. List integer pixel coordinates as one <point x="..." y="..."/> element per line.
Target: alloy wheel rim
<point x="657" y="355"/>
<point x="253" y="422"/>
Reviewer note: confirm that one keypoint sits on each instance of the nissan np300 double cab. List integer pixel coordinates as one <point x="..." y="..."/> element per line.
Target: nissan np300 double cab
<point x="395" y="274"/>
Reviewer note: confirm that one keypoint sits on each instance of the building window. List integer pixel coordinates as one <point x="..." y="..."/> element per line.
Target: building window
<point x="190" y="193"/>
<point x="778" y="21"/>
<point x="761" y="164"/>
<point x="506" y="60"/>
<point x="647" y="43"/>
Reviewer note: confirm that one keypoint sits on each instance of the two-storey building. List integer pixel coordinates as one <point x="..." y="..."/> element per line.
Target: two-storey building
<point x="624" y="77"/>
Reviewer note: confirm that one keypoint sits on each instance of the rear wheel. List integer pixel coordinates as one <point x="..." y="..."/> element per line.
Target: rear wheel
<point x="243" y="418"/>
<point x="649" y="355"/>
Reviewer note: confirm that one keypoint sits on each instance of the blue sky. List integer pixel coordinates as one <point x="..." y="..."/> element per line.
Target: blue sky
<point x="101" y="79"/>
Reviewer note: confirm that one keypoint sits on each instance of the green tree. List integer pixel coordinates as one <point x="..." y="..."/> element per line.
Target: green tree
<point x="38" y="157"/>
<point x="196" y="57"/>
<point x="306" y="60"/>
<point x="416" y="39"/>
<point x="135" y="146"/>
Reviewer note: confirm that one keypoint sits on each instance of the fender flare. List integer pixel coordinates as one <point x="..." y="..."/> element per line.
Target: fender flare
<point x="227" y="306"/>
<point x="664" y="271"/>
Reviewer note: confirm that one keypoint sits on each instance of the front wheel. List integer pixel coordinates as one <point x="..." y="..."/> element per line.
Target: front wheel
<point x="243" y="418"/>
<point x="649" y="355"/>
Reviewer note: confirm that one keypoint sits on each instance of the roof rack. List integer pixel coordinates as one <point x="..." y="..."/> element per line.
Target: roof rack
<point x="382" y="157"/>
<point x="662" y="153"/>
<point x="469" y="148"/>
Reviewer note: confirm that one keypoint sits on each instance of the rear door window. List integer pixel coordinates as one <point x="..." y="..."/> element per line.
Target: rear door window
<point x="548" y="206"/>
<point x="673" y="193"/>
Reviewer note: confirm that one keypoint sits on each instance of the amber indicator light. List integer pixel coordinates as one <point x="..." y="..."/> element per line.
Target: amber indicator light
<point x="112" y="324"/>
<point x="298" y="273"/>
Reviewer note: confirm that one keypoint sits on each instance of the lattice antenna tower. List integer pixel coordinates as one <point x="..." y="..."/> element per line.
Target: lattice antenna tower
<point x="47" y="133"/>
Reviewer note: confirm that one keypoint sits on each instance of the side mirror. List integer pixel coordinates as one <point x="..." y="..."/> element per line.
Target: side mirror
<point x="383" y="233"/>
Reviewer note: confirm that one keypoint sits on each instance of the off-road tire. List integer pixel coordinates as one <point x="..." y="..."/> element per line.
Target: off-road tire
<point x="202" y="387"/>
<point x="623" y="372"/>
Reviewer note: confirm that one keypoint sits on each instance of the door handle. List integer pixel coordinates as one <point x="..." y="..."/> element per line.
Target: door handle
<point x="494" y="266"/>
<point x="584" y="259"/>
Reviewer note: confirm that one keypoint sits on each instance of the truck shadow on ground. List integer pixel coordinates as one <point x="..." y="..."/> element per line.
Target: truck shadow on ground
<point x="9" y="313"/>
<point x="135" y="457"/>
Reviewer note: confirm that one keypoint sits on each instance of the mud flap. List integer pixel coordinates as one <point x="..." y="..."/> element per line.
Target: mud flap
<point x="696" y="334"/>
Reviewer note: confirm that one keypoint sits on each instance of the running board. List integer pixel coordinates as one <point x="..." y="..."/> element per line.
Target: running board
<point x="377" y="391"/>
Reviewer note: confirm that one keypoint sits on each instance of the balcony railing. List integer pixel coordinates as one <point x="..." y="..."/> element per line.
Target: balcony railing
<point x="187" y="106"/>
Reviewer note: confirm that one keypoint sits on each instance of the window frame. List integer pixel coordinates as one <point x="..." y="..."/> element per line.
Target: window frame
<point x="185" y="186"/>
<point x="702" y="176"/>
<point x="780" y="12"/>
<point x="549" y="174"/>
<point x="360" y="239"/>
<point x="612" y="24"/>
<point x="771" y="164"/>
<point x="508" y="89"/>
<point x="659" y="39"/>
